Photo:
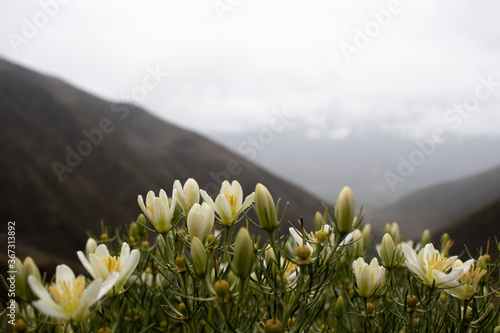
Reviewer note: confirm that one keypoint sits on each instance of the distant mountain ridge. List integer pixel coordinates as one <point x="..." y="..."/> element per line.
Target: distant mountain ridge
<point x="475" y="229"/>
<point x="439" y="205"/>
<point x="71" y="159"/>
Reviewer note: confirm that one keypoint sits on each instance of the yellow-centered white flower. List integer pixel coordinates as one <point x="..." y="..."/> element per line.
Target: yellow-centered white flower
<point x="200" y="221"/>
<point x="229" y="203"/>
<point x="469" y="284"/>
<point x="369" y="278"/>
<point x="188" y="195"/>
<point x="67" y="298"/>
<point x="101" y="265"/>
<point x="434" y="269"/>
<point x="159" y="210"/>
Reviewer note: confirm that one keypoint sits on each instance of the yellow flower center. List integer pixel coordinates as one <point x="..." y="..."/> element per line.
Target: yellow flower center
<point x="438" y="263"/>
<point x="112" y="264"/>
<point x="231" y="199"/>
<point x="68" y="294"/>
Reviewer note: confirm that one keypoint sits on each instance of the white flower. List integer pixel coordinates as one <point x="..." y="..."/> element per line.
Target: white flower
<point x="434" y="269"/>
<point x="200" y="221"/>
<point x="469" y="284"/>
<point x="368" y="277"/>
<point x="229" y="203"/>
<point x="101" y="265"/>
<point x="68" y="298"/>
<point x="188" y="195"/>
<point x="158" y="209"/>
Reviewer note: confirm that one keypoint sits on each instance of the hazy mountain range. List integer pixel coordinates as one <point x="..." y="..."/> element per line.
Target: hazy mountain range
<point x="71" y="159"/>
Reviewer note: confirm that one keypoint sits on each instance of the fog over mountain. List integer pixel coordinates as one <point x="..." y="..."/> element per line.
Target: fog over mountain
<point x="363" y="158"/>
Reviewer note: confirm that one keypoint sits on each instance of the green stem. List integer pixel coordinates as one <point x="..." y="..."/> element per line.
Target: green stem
<point x="296" y="297"/>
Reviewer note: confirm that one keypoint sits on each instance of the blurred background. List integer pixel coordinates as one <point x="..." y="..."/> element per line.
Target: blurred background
<point x="101" y="102"/>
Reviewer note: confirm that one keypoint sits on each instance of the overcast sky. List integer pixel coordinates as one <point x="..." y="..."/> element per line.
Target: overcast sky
<point x="338" y="66"/>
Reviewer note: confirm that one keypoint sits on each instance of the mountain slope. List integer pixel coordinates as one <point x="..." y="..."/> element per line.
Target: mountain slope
<point x="436" y="206"/>
<point x="474" y="230"/>
<point x="71" y="159"/>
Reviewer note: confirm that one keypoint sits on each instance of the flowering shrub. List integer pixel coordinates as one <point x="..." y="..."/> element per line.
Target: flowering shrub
<point x="204" y="272"/>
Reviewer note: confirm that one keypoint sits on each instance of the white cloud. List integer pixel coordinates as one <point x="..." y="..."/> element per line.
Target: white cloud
<point x="226" y="75"/>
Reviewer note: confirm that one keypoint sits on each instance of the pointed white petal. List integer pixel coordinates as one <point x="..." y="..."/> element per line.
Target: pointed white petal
<point x="86" y="264"/>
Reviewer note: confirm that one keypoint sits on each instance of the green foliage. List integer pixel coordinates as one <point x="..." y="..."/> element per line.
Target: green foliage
<point x="302" y="282"/>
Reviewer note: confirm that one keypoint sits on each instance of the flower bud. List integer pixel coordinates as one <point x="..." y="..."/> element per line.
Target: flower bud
<point x="31" y="268"/>
<point x="221" y="288"/>
<point x="426" y="238"/>
<point x="199" y="257"/>
<point x="269" y="256"/>
<point x="105" y="330"/>
<point x="358" y="246"/>
<point x="200" y="221"/>
<point x="265" y="208"/>
<point x="496" y="329"/>
<point x="273" y="326"/>
<point x="387" y="252"/>
<point x="141" y="222"/>
<point x="344" y="211"/>
<point x="445" y="238"/>
<point x="90" y="246"/>
<point x="411" y="303"/>
<point x="338" y="310"/>
<point x="318" y="221"/>
<point x="243" y="254"/>
<point x="481" y="263"/>
<point x="370" y="309"/>
<point x="367" y="234"/>
<point x="303" y="252"/>
<point x="187" y="196"/>
<point x="20" y="326"/>
<point x="395" y="233"/>
<point x="322" y="236"/>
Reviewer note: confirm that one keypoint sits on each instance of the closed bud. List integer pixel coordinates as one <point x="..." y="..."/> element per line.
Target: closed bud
<point x="370" y="309"/>
<point x="132" y="231"/>
<point x="221" y="288"/>
<point x="388" y="252"/>
<point x="367" y="234"/>
<point x="31" y="268"/>
<point x="321" y="236"/>
<point x="90" y="247"/>
<point x="20" y="326"/>
<point x="199" y="257"/>
<point x="269" y="256"/>
<point x="318" y="221"/>
<point x="145" y="245"/>
<point x="303" y="252"/>
<point x="105" y="330"/>
<point x="395" y="233"/>
<point x="411" y="303"/>
<point x="141" y="222"/>
<point x="445" y="238"/>
<point x="496" y="330"/>
<point x="200" y="221"/>
<point x="104" y="237"/>
<point x="273" y="326"/>
<point x="426" y="238"/>
<point x="243" y="254"/>
<point x="487" y="258"/>
<point x="357" y="245"/>
<point x="265" y="208"/>
<point x="344" y="211"/>
<point x="338" y="310"/>
<point x="481" y="263"/>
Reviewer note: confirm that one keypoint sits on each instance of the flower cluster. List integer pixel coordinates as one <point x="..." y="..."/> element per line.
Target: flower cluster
<point x="189" y="264"/>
